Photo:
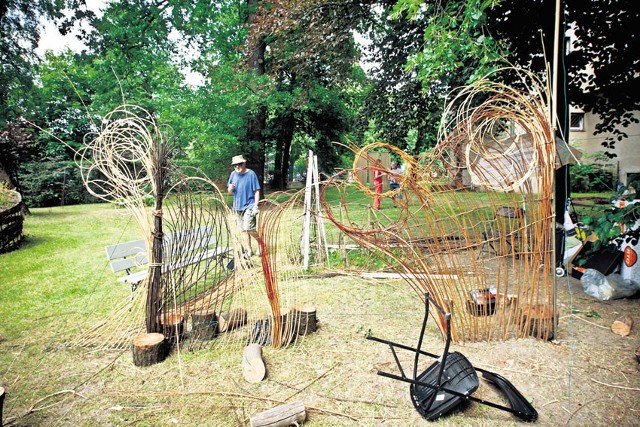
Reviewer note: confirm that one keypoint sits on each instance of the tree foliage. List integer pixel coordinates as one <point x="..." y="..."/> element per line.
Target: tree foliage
<point x="602" y="64"/>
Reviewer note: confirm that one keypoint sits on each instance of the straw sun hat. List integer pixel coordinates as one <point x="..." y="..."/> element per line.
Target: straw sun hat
<point x="237" y="160"/>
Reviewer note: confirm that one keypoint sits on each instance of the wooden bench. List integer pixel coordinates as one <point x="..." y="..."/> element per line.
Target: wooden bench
<point x="180" y="250"/>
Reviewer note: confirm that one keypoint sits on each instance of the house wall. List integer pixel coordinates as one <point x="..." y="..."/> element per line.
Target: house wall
<point x="627" y="160"/>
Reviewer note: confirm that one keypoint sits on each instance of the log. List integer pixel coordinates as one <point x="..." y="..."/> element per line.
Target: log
<point x="148" y="349"/>
<point x="230" y="320"/>
<point x="305" y="319"/>
<point x="1" y="403"/>
<point x="172" y="327"/>
<point x="264" y="333"/>
<point x="253" y="369"/>
<point x="280" y="416"/>
<point x="622" y="325"/>
<point x="204" y="324"/>
<point x="540" y="319"/>
<point x="383" y="275"/>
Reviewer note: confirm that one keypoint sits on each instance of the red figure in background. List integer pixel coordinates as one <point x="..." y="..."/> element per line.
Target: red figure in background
<point x="377" y="185"/>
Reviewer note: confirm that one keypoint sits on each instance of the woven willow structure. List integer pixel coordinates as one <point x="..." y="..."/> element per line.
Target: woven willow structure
<point x="128" y="162"/>
<point x="11" y="222"/>
<point x="482" y="247"/>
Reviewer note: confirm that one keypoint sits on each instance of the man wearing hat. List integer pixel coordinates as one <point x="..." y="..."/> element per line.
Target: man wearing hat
<point x="245" y="187"/>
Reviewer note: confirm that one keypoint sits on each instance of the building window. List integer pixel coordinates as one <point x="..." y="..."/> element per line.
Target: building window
<point x="576" y="121"/>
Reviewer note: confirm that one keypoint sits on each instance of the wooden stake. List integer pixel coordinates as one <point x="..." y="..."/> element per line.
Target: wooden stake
<point x="622" y="325"/>
<point x="253" y="369"/>
<point x="230" y="320"/>
<point x="148" y="349"/>
<point x="280" y="416"/>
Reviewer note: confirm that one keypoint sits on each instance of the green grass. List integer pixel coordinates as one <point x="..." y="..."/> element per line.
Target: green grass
<point x="59" y="283"/>
<point x="61" y="268"/>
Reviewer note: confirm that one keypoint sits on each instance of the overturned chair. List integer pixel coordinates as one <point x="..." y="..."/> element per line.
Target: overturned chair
<point x="451" y="379"/>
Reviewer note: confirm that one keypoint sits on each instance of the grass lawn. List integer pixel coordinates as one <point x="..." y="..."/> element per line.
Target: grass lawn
<point x="58" y="284"/>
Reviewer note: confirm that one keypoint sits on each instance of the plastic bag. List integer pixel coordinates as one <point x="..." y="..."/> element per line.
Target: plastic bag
<point x="608" y="287"/>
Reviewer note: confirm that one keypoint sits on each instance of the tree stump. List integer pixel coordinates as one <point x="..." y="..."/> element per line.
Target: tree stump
<point x="172" y="327"/>
<point x="264" y="332"/>
<point x="253" y="369"/>
<point x="622" y="325"/>
<point x="230" y="320"/>
<point x="280" y="416"/>
<point x="1" y="403"/>
<point x="204" y="324"/>
<point x="540" y="319"/>
<point x="306" y="320"/>
<point x="148" y="349"/>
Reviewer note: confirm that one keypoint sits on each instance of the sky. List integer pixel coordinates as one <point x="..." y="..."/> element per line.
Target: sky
<point x="51" y="39"/>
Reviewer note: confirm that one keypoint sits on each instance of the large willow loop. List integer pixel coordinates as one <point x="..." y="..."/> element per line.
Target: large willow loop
<point x="476" y="211"/>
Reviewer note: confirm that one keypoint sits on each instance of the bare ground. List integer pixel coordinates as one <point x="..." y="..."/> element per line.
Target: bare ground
<point x="587" y="376"/>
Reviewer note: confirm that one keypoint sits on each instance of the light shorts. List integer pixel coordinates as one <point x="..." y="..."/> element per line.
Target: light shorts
<point x="247" y="219"/>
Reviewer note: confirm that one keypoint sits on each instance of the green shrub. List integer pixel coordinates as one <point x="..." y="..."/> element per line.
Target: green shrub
<point x="592" y="176"/>
<point x="53" y="182"/>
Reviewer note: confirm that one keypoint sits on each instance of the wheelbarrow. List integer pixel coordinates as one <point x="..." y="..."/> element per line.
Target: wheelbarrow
<point x="451" y="380"/>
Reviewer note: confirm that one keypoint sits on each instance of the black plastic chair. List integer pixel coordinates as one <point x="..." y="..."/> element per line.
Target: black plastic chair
<point x="451" y="379"/>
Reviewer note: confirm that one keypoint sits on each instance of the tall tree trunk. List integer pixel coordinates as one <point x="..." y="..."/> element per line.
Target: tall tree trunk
<point x="283" y="141"/>
<point x="256" y="122"/>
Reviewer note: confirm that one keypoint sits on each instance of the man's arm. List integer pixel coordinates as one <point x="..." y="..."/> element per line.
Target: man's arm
<point x="230" y="186"/>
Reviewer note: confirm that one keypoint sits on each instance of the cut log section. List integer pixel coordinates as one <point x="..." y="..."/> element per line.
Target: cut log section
<point x="280" y="416"/>
<point x="1" y="403"/>
<point x="148" y="349"/>
<point x="253" y="369"/>
<point x="538" y="320"/>
<point x="172" y="327"/>
<point x="230" y="320"/>
<point x="622" y="325"/>
<point x="266" y="332"/>
<point x="305" y="319"/>
<point x="204" y="324"/>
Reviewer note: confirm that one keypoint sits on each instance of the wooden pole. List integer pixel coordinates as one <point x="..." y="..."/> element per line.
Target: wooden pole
<point x="307" y="213"/>
<point x="154" y="295"/>
<point x="322" y="235"/>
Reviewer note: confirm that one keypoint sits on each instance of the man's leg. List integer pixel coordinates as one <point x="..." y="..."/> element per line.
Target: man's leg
<point x="249" y="223"/>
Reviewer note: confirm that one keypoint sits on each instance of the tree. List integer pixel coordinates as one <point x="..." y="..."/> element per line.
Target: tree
<point x="477" y="35"/>
<point x="602" y="65"/>
<point x="310" y="60"/>
<point x="19" y="36"/>
<point x="20" y="22"/>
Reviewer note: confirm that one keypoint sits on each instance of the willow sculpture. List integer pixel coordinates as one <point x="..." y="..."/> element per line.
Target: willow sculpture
<point x="187" y="231"/>
<point x="475" y="224"/>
